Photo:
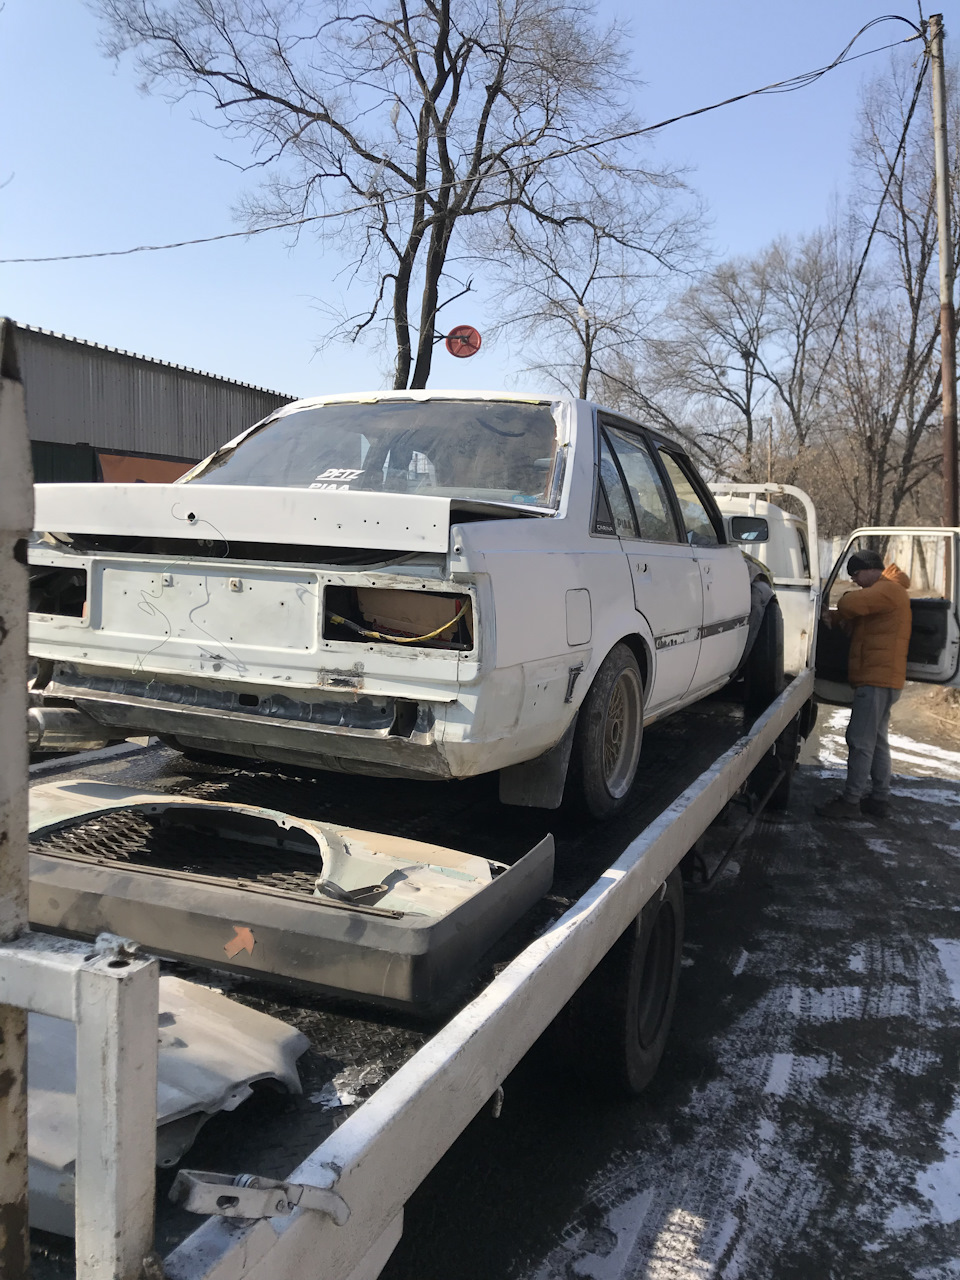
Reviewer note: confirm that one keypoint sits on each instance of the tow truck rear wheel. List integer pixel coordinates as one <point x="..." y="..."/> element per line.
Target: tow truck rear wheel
<point x="764" y="678"/>
<point x="606" y="745"/>
<point x="620" y="1018"/>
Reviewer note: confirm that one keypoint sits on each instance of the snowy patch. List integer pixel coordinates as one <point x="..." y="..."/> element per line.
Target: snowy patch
<point x="929" y="795"/>
<point x="915" y="1062"/>
<point x="676" y="1250"/>
<point x="948" y="951"/>
<point x="787" y="1071"/>
<point x="940" y="1182"/>
<point x="740" y="963"/>
<point x="882" y="847"/>
<point x="832" y="1004"/>
<point x="917" y="759"/>
<point x="940" y="762"/>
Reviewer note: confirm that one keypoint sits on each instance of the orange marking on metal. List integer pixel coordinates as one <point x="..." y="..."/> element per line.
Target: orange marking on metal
<point x="242" y="941"/>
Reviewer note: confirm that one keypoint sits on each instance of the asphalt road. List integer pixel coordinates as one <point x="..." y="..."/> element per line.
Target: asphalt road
<point x="806" y="1119"/>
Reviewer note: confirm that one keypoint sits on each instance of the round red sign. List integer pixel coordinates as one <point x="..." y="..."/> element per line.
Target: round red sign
<point x="462" y="341"/>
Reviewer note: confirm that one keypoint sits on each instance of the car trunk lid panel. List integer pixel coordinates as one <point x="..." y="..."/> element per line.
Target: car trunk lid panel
<point x="224" y="513"/>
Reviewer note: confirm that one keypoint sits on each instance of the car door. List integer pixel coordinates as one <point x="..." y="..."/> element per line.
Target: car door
<point x="929" y="558"/>
<point x="666" y="579"/>
<point x="725" y="580"/>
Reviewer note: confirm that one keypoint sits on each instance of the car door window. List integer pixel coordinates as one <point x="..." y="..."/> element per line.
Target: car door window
<point x="613" y="504"/>
<point x="697" y="524"/>
<point x="650" y="501"/>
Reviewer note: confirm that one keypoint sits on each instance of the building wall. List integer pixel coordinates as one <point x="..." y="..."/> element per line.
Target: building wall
<point x="82" y="394"/>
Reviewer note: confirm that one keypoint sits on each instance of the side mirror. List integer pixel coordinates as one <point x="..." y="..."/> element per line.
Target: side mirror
<point x="749" y="529"/>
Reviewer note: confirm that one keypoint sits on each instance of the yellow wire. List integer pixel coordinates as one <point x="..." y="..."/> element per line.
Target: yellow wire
<point x="378" y="635"/>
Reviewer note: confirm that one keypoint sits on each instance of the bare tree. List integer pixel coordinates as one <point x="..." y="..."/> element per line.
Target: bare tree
<point x="710" y="364"/>
<point x="583" y="293"/>
<point x="397" y="123"/>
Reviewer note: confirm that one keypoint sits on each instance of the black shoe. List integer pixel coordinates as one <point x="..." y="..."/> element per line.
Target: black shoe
<point x="838" y="808"/>
<point x="874" y="808"/>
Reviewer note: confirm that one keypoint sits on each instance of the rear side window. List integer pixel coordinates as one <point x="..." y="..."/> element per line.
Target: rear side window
<point x="650" y="502"/>
<point x="698" y="527"/>
<point x="614" y="510"/>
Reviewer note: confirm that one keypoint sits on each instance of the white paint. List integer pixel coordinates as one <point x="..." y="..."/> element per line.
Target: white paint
<point x="310" y="517"/>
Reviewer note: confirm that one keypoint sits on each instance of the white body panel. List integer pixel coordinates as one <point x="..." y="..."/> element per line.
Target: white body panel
<point x="307" y="517"/>
<point x="791" y="555"/>
<point x="668" y="591"/>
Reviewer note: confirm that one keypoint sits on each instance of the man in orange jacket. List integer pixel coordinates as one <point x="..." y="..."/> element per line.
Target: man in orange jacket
<point x="880" y="622"/>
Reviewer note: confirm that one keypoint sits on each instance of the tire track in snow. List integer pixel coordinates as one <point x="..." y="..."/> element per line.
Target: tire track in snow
<point x="827" y="1142"/>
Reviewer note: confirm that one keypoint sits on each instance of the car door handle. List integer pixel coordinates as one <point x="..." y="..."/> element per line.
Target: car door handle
<point x="705" y="567"/>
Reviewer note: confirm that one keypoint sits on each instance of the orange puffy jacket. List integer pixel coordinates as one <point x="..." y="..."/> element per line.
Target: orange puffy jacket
<point x="880" y="637"/>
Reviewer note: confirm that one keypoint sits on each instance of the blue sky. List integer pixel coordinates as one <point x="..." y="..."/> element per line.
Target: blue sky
<point x="91" y="163"/>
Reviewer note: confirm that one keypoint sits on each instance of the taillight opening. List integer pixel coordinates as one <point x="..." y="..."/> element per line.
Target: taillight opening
<point x="57" y="591"/>
<point x="418" y="619"/>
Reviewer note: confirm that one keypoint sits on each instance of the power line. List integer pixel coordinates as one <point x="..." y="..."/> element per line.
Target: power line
<point x="876" y="222"/>
<point x="789" y="85"/>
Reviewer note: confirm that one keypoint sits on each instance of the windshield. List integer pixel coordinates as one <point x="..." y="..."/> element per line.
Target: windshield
<point x="481" y="449"/>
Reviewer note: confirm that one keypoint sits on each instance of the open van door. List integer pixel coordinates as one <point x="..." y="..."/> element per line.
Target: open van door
<point x="929" y="557"/>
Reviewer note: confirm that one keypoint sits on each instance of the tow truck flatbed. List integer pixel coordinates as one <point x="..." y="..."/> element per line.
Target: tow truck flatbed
<point x="421" y="1083"/>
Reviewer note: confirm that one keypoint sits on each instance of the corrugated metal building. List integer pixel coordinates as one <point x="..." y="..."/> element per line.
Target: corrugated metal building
<point x="98" y="413"/>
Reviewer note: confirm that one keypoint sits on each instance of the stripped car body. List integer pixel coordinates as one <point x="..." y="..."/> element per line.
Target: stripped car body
<point x="413" y="584"/>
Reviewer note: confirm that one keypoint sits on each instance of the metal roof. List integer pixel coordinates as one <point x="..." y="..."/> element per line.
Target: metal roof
<point x="133" y="355"/>
<point x="86" y="392"/>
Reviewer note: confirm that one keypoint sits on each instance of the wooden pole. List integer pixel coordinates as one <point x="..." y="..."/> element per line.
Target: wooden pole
<point x="948" y="335"/>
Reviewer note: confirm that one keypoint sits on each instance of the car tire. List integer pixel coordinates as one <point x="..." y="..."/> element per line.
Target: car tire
<point x="609" y="733"/>
<point x="618" y="1022"/>
<point x="764" y="678"/>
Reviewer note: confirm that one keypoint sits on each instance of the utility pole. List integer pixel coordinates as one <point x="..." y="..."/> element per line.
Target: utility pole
<point x="948" y="336"/>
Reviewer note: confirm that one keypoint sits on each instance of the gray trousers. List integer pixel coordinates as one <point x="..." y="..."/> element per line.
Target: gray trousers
<point x="868" y="761"/>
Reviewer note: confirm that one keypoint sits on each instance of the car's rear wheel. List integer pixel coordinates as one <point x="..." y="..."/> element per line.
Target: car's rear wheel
<point x="606" y="746"/>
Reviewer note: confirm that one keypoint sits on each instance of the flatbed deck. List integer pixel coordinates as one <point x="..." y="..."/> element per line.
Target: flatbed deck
<point x="355" y="1050"/>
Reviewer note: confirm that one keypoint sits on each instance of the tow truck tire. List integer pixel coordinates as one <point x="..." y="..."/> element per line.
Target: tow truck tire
<point x="609" y="733"/>
<point x="764" y="678"/>
<point x="621" y="1015"/>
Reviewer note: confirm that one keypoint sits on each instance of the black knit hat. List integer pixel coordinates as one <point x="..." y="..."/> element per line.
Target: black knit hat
<point x="864" y="560"/>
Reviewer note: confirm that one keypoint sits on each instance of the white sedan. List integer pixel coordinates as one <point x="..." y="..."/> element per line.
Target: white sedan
<point x="416" y="584"/>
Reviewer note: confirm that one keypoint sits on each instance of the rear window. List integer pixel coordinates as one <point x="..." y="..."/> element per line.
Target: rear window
<point x="486" y="450"/>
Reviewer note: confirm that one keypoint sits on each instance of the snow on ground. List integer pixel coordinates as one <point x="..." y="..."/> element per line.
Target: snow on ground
<point x="821" y="1134"/>
<point x="910" y="757"/>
